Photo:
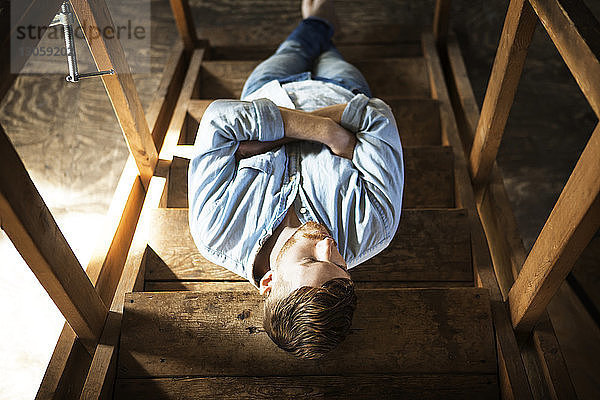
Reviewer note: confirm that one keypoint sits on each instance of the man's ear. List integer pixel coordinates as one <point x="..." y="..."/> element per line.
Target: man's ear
<point x="266" y="283"/>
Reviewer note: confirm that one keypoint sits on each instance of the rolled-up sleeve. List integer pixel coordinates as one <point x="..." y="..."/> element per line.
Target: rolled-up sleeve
<point x="224" y="124"/>
<point x="377" y="156"/>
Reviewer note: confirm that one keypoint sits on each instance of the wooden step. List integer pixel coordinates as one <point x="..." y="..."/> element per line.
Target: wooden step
<point x="268" y="31"/>
<point x="359" y="387"/>
<point x="424" y="341"/>
<point x="417" y="119"/>
<point x="211" y="286"/>
<point x="429" y="178"/>
<point x="430" y="246"/>
<point x="350" y="52"/>
<point x="406" y="77"/>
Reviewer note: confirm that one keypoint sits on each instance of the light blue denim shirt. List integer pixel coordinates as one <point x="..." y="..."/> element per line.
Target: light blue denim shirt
<point x="236" y="206"/>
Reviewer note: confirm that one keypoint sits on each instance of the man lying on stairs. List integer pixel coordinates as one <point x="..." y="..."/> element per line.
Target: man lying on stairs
<point x="298" y="182"/>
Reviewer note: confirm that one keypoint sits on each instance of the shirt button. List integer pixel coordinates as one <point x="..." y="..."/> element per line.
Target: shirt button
<point x="303" y="210"/>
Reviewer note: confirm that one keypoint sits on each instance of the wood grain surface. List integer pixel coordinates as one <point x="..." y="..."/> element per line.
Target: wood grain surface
<point x="405" y="77"/>
<point x="367" y="387"/>
<point x="211" y="286"/>
<point x="418" y="120"/>
<point x="69" y="138"/>
<point x="430" y="245"/>
<point x="350" y="52"/>
<point x="417" y="331"/>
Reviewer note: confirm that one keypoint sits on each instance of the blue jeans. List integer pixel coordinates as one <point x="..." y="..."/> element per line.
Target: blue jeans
<point x="308" y="53"/>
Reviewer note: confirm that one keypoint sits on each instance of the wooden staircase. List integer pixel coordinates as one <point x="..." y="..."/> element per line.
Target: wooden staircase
<point x="454" y="308"/>
<point x="421" y="329"/>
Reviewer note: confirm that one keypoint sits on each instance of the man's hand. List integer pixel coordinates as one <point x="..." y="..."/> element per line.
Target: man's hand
<point x="320" y="126"/>
<point x="341" y="141"/>
<point x="251" y="148"/>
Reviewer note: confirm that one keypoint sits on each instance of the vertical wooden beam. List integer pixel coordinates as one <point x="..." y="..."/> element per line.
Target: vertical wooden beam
<point x="519" y="26"/>
<point x="29" y="224"/>
<point x="441" y="22"/>
<point x="108" y="54"/>
<point x="185" y="23"/>
<point x="569" y="228"/>
<point x="576" y="34"/>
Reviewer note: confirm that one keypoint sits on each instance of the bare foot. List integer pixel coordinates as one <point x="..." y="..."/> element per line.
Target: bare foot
<point x="320" y="8"/>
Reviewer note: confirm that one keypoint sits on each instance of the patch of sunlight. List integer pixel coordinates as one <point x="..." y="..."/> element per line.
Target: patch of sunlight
<point x="31" y="323"/>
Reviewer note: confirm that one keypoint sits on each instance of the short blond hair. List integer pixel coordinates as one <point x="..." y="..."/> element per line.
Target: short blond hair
<point x="311" y="321"/>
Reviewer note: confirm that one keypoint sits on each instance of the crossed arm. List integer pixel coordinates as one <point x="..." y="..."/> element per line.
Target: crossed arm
<point x="321" y="125"/>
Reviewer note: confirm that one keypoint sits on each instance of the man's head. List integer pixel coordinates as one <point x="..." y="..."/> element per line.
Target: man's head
<point x="311" y="297"/>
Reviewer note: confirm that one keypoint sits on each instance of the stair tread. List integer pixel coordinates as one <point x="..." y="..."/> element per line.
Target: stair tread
<point x="412" y="387"/>
<point x="211" y="286"/>
<point x="397" y="331"/>
<point x="429" y="178"/>
<point x="350" y="52"/>
<point x="405" y="76"/>
<point x="417" y="119"/>
<point x="355" y="30"/>
<point x="430" y="245"/>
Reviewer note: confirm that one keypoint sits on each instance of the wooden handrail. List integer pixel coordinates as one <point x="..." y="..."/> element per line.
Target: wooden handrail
<point x="576" y="34"/>
<point x="569" y="228"/>
<point x="108" y="54"/>
<point x="519" y="26"/>
<point x="30" y="226"/>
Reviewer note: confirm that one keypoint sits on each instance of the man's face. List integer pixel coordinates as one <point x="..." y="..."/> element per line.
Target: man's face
<point x="309" y="258"/>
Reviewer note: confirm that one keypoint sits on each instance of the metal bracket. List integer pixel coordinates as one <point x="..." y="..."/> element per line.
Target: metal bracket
<point x="65" y="18"/>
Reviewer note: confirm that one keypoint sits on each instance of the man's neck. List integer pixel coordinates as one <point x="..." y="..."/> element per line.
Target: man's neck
<point x="269" y="251"/>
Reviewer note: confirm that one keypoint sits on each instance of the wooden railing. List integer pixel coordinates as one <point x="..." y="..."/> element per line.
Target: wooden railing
<point x="529" y="282"/>
<point x="85" y="353"/>
<point x="576" y="215"/>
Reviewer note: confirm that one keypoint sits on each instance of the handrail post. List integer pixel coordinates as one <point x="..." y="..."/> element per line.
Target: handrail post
<point x="519" y="26"/>
<point x="569" y="228"/>
<point x="109" y="54"/>
<point x="30" y="226"/>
